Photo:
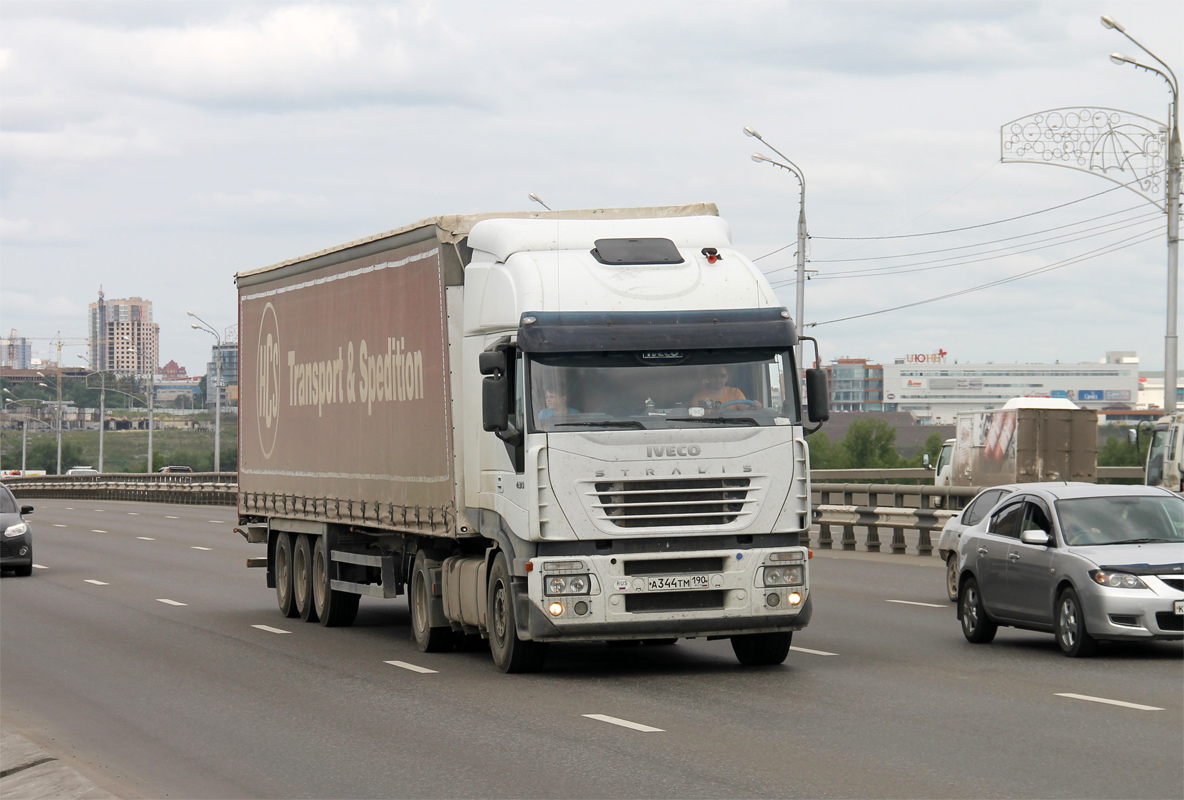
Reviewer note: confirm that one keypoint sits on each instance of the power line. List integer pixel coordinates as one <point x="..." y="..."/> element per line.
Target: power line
<point x="921" y="266"/>
<point x="1019" y="276"/>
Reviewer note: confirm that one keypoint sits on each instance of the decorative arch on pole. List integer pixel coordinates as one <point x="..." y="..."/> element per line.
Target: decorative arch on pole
<point x="1128" y="149"/>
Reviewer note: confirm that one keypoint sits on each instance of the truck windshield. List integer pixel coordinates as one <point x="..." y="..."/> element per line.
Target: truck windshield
<point x="658" y="390"/>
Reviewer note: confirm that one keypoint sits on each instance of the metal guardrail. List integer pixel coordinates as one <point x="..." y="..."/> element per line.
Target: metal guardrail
<point x="198" y="488"/>
<point x="915" y="473"/>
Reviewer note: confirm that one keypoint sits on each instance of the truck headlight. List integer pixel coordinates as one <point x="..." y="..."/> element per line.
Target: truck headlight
<point x="568" y="584"/>
<point x="1116" y="580"/>
<point x="19" y="529"/>
<point x="784" y="576"/>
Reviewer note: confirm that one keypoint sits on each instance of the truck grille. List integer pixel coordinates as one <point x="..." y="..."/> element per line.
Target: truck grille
<point x="698" y="600"/>
<point x="690" y="502"/>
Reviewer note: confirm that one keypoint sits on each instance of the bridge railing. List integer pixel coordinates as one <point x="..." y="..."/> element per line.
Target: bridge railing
<point x="197" y="488"/>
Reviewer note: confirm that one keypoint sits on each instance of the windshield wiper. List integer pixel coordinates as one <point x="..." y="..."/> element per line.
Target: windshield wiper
<point x="715" y="420"/>
<point x="1140" y="541"/>
<point x="608" y="423"/>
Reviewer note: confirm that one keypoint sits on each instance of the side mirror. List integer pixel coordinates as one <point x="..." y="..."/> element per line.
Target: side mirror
<point x="26" y="510"/>
<point x="925" y="462"/>
<point x="495" y="402"/>
<point x="817" y="396"/>
<point x="491" y="362"/>
<point x="1035" y="536"/>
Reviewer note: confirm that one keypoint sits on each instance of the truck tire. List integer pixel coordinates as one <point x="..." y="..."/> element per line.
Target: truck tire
<point x="302" y="578"/>
<point x="429" y="639"/>
<point x="333" y="608"/>
<point x="762" y="649"/>
<point x="283" y="575"/>
<point x="510" y="653"/>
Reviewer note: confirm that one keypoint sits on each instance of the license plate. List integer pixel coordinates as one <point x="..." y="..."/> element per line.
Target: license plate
<point x="1180" y="607"/>
<point x="675" y="582"/>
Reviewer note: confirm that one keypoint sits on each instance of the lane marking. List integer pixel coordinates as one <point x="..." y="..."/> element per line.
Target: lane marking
<point x="133" y="513"/>
<point x="95" y="530"/>
<point x="1123" y="703"/>
<point x="169" y="517"/>
<point x="912" y="603"/>
<point x="39" y="566"/>
<point x="412" y="667"/>
<point x="216" y="521"/>
<point x="269" y="629"/>
<point x="624" y="723"/>
<point x="195" y="547"/>
<point x="146" y="538"/>
<point x="812" y="652"/>
<point x="169" y="602"/>
<point x="69" y="508"/>
<point x="96" y="583"/>
<point x="58" y="525"/>
<point x="99" y="511"/>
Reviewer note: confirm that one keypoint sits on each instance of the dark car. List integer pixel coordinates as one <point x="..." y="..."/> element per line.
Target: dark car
<point x="16" y="543"/>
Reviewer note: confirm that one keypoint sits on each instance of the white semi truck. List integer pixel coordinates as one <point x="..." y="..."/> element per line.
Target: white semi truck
<point x="543" y="426"/>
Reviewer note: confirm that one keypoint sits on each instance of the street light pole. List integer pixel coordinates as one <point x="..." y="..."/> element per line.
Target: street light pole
<point x="802" y="234"/>
<point x="102" y="406"/>
<point x="1171" y="341"/>
<point x="59" y="412"/>
<point x="207" y="328"/>
<point x="151" y="392"/>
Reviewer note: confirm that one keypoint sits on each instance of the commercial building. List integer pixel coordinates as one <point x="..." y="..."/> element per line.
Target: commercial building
<point x="227" y="353"/>
<point x="123" y="337"/>
<point x="15" y="352"/>
<point x="934" y="390"/>
<point x="855" y="385"/>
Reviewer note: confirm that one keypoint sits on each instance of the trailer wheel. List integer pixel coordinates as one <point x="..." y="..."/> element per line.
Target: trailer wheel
<point x="333" y="608"/>
<point x="283" y="575"/>
<point x="762" y="649"/>
<point x="510" y="653"/>
<point x="429" y="639"/>
<point x="302" y="578"/>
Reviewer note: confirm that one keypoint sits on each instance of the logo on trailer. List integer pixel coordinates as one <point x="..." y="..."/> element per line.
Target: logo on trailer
<point x="267" y="398"/>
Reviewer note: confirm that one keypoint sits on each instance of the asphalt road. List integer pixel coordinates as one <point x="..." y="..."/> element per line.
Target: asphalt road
<point x="882" y="697"/>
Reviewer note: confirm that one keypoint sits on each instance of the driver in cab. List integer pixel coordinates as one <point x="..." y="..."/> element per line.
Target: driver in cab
<point x="716" y="391"/>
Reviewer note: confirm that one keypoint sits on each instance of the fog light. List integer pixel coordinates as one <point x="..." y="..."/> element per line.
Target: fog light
<point x="24" y="551"/>
<point x="581" y="608"/>
<point x="794" y="598"/>
<point x="773" y="599"/>
<point x="556" y="609"/>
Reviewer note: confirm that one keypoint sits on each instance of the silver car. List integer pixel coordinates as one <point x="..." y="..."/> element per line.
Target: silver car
<point x="951" y="532"/>
<point x="1081" y="561"/>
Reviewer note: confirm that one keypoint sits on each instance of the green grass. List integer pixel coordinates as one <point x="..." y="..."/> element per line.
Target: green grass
<point x="123" y="451"/>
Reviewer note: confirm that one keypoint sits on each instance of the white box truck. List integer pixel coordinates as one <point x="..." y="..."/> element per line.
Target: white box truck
<point x="541" y="426"/>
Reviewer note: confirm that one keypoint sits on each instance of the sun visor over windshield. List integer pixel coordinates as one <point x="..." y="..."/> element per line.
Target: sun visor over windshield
<point x="582" y="332"/>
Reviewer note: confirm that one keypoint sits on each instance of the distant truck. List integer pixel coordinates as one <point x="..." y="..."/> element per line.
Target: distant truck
<point x="1165" y="454"/>
<point x="1028" y="440"/>
<point x="545" y="426"/>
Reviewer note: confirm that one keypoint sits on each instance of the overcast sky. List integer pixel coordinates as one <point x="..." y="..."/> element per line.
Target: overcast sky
<point x="157" y="148"/>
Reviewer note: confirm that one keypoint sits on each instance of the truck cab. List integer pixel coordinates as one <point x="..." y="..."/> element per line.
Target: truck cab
<point x="1164" y="455"/>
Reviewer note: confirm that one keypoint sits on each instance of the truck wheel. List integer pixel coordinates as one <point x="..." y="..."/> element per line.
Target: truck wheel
<point x="283" y="575"/>
<point x="333" y="608"/>
<point x="510" y="653"/>
<point x="762" y="649"/>
<point x="429" y="639"/>
<point x="302" y="578"/>
<point x="952" y="577"/>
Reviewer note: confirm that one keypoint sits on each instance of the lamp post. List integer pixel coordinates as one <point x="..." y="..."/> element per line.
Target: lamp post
<point x="789" y="166"/>
<point x="151" y="393"/>
<point x="59" y="413"/>
<point x="1171" y="342"/>
<point x="24" y="426"/>
<point x="102" y="405"/>
<point x="207" y="328"/>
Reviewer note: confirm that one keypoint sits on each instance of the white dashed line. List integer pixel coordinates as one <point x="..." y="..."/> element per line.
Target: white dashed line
<point x="69" y="508"/>
<point x="146" y="538"/>
<point x="911" y="603"/>
<point x="216" y="521"/>
<point x="99" y="511"/>
<point x="624" y="723"/>
<point x="39" y="566"/>
<point x="1122" y="703"/>
<point x="58" y="525"/>
<point x="812" y="652"/>
<point x="168" y="517"/>
<point x="95" y="530"/>
<point x="133" y="513"/>
<point x="269" y="629"/>
<point x="96" y="583"/>
<point x="195" y="547"/>
<point x="412" y="667"/>
<point x="169" y="602"/>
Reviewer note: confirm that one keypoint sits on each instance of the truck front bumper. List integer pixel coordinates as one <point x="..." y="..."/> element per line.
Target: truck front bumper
<point x="730" y="597"/>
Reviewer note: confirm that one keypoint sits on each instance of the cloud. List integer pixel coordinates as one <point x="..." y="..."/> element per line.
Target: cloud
<point x="27" y="232"/>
